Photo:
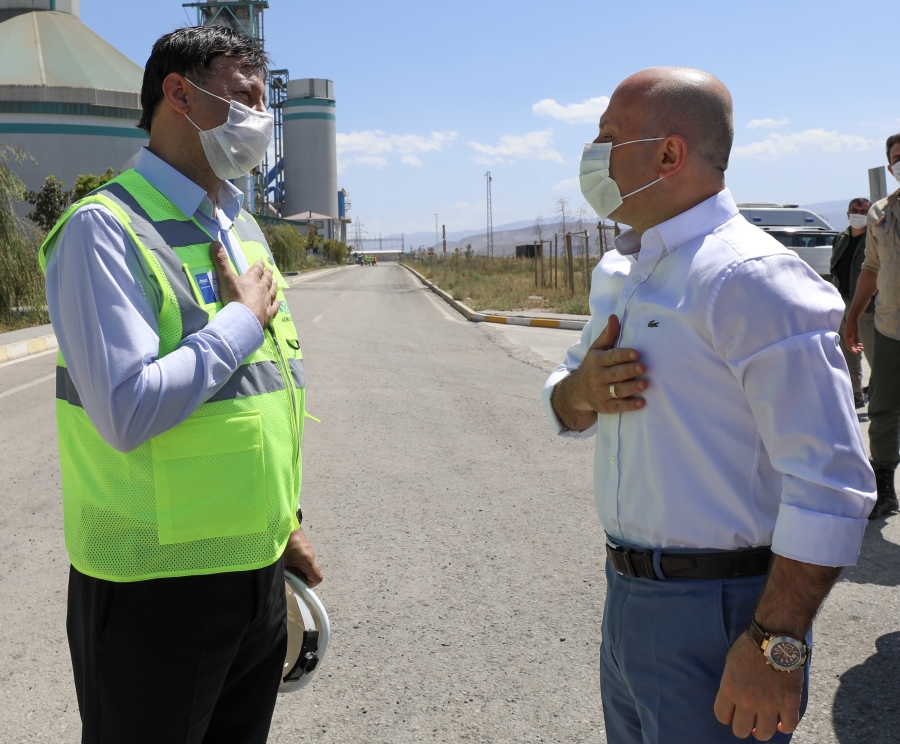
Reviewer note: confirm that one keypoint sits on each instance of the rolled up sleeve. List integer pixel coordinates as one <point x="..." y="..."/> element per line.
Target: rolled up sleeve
<point x="872" y="261"/>
<point x="787" y="358"/>
<point x="574" y="358"/>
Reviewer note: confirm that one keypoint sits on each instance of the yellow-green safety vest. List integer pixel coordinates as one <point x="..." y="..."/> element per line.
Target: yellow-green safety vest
<point x="218" y="492"/>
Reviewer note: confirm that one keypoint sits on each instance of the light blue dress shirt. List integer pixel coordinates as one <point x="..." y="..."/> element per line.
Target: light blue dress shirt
<point x="104" y="304"/>
<point x="749" y="435"/>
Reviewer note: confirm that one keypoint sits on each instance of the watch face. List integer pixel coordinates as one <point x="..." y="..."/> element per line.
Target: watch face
<point x="785" y="654"/>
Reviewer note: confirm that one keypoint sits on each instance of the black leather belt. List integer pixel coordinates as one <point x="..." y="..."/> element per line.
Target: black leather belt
<point x="731" y="565"/>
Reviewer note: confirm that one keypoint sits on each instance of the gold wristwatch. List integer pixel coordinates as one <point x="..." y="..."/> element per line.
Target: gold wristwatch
<point x="782" y="652"/>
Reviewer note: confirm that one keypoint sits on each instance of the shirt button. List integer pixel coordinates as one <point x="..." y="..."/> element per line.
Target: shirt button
<point x="612" y="460"/>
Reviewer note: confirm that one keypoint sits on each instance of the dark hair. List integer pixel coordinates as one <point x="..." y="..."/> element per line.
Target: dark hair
<point x="891" y="141"/>
<point x="858" y="200"/>
<point x="190" y="52"/>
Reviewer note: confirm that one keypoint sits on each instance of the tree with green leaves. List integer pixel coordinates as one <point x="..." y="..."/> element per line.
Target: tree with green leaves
<point x="22" y="299"/>
<point x="49" y="202"/>
<point x="84" y="185"/>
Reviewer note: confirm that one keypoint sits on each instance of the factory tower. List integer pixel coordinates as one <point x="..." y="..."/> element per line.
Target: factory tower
<point x="67" y="96"/>
<point x="310" y="152"/>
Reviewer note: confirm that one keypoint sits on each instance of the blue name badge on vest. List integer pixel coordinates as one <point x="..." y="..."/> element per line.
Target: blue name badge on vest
<point x="208" y="283"/>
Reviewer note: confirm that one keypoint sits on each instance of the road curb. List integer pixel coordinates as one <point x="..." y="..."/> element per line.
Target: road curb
<point x="29" y="346"/>
<point x="472" y="316"/>
<point x="40" y="344"/>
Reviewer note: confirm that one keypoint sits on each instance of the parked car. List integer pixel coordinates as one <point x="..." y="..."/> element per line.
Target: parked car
<point x="804" y="232"/>
<point x="813" y="246"/>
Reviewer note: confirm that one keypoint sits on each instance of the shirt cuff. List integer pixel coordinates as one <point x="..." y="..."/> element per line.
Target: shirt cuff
<point x="240" y="328"/>
<point x="559" y="374"/>
<point x="817" y="538"/>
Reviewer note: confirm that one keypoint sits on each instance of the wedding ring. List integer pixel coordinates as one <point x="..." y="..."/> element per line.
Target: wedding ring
<point x="612" y="391"/>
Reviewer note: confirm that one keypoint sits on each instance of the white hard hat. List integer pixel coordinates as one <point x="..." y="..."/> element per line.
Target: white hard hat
<point x="308" y="633"/>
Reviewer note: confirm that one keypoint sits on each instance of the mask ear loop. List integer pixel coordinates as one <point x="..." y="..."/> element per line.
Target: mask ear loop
<point x="643" y="187"/>
<point x="204" y="90"/>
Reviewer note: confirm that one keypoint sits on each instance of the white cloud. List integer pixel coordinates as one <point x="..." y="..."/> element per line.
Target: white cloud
<point x="767" y="123"/>
<point x="366" y="148"/>
<point x="567" y="185"/>
<point x="587" y="112"/>
<point x="538" y="145"/>
<point x="776" y="145"/>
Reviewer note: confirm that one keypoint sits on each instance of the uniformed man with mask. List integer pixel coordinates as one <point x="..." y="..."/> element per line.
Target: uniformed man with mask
<point x="180" y="407"/>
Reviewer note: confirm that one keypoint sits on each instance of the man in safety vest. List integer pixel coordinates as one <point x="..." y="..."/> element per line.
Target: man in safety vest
<point x="180" y="407"/>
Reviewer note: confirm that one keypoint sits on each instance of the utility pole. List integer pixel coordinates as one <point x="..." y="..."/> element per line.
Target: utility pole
<point x="490" y="219"/>
<point x="444" y="259"/>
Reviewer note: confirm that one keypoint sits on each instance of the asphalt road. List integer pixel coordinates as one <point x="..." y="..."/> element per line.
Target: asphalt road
<point x="460" y="546"/>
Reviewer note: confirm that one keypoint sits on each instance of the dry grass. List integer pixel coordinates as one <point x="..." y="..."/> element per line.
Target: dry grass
<point x="505" y="283"/>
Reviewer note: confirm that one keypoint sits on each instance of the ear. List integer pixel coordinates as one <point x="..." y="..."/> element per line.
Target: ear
<point x="176" y="93"/>
<point x="674" y="155"/>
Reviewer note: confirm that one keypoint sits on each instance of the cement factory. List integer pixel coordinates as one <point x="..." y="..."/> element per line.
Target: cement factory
<point x="72" y="100"/>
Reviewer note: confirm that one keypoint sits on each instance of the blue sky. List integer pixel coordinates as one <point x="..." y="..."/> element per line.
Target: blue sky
<point x="431" y="95"/>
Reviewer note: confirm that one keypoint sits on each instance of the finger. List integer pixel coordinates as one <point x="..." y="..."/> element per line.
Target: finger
<point x="219" y="257"/>
<point x="742" y="725"/>
<point x="629" y="388"/>
<point x="724" y="709"/>
<point x="621" y="372"/>
<point x="613" y="357"/>
<point x="790" y="719"/>
<point x="765" y="729"/>
<point x="608" y="336"/>
<point x="621" y="405"/>
<point x="259" y="269"/>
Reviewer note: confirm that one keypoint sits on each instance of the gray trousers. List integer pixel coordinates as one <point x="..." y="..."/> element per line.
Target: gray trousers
<point x="884" y="402"/>
<point x="867" y="336"/>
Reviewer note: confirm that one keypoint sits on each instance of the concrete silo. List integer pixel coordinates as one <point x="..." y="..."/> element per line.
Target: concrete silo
<point x="67" y="96"/>
<point x="310" y="153"/>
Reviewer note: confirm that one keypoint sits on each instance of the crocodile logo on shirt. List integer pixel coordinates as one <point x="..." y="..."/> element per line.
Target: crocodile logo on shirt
<point x="653" y="324"/>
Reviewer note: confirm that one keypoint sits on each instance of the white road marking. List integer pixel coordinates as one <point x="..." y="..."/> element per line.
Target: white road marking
<point x="29" y="357"/>
<point x="27" y="385"/>
<point x="317" y="319"/>
<point x="440" y="305"/>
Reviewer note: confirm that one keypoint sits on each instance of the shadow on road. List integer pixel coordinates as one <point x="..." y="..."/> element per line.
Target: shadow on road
<point x="867" y="704"/>
<point x="879" y="559"/>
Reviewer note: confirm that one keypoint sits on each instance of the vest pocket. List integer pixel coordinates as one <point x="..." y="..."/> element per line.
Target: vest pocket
<point x="210" y="478"/>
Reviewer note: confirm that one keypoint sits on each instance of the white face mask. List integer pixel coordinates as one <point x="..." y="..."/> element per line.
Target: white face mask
<point x="895" y="169"/>
<point x="857" y="221"/>
<point x="599" y="190"/>
<point x="236" y="147"/>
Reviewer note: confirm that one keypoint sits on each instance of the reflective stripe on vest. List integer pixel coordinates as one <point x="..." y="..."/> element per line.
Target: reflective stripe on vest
<point x="219" y="491"/>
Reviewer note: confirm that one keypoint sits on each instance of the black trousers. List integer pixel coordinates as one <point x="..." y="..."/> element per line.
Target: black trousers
<point x="884" y="403"/>
<point x="186" y="660"/>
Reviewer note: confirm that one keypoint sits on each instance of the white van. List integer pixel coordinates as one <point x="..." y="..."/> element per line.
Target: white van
<point x="804" y="232"/>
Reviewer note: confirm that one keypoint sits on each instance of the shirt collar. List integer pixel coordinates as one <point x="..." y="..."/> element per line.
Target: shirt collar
<point x="186" y="195"/>
<point x="682" y="228"/>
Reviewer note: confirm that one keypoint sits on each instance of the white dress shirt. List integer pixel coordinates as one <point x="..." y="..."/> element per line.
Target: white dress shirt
<point x="749" y="435"/>
<point x="104" y="304"/>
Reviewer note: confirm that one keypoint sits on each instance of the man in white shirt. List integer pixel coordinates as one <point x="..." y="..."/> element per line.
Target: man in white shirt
<point x="711" y="374"/>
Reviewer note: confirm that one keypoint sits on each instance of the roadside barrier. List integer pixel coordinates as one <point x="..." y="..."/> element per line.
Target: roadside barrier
<point x="471" y="315"/>
<point x="29" y="346"/>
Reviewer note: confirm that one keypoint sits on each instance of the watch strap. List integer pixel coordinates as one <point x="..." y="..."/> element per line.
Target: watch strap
<point x="757" y="634"/>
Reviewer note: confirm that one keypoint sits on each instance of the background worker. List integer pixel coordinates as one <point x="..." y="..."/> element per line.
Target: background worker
<point x="179" y="408"/>
<point x="881" y="274"/>
<point x="847" y="255"/>
<point x="710" y="374"/>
